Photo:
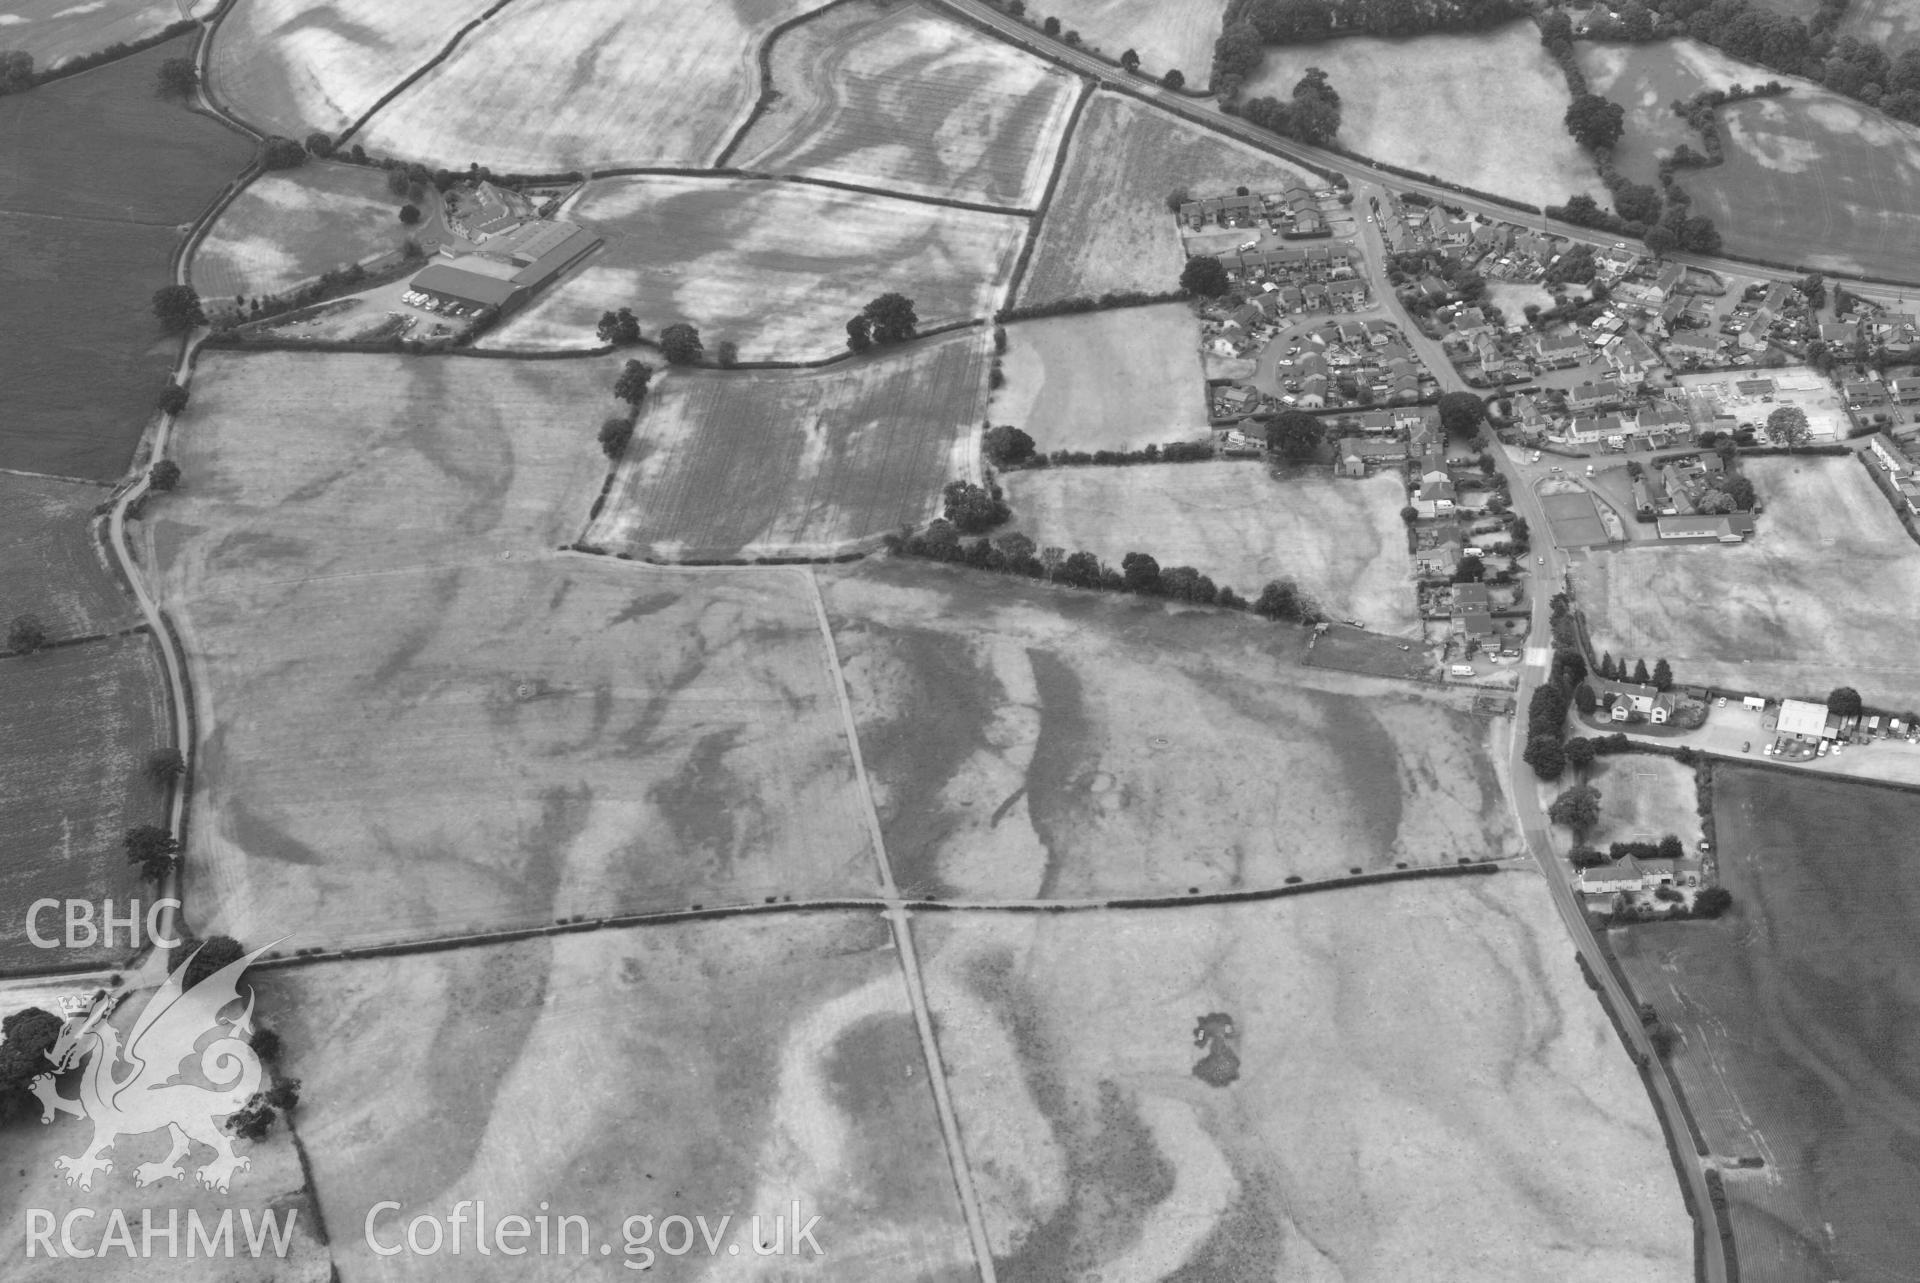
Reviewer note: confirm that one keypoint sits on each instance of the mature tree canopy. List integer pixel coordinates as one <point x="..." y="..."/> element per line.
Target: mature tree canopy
<point x="1578" y="808"/>
<point x="25" y="1038"/>
<point x="890" y="318"/>
<point x="1662" y="676"/>
<point x="971" y="508"/>
<point x="1204" y="275"/>
<point x="172" y="399"/>
<point x="16" y="71"/>
<point x="1640" y="675"/>
<point x="1712" y="902"/>
<point x="631" y="386"/>
<point x="615" y="432"/>
<point x="178" y="76"/>
<point x="1141" y="572"/>
<point x="1595" y="122"/>
<point x="1789" y="424"/>
<point x="153" y="849"/>
<point x="1295" y="435"/>
<point x="726" y="354"/>
<point x="1580" y="752"/>
<point x="1006" y="446"/>
<point x="178" y="307"/>
<point x="859" y="334"/>
<point x="1130" y="60"/>
<point x="1470" y="570"/>
<point x="26" y="634"/>
<point x="214" y="953"/>
<point x="164" y="475"/>
<point x="1844" y="701"/>
<point x="1546" y="755"/>
<point x="320" y="144"/>
<point x="1174" y="79"/>
<point x="619" y="328"/>
<point x="283" y="153"/>
<point x="681" y="344"/>
<point x="1461" y="414"/>
<point x="410" y="214"/>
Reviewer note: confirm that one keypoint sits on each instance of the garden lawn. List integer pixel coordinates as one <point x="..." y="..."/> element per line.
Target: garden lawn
<point x="288" y="227"/>
<point x="1644" y="798"/>
<point x="1114" y="380"/>
<point x="777" y="268"/>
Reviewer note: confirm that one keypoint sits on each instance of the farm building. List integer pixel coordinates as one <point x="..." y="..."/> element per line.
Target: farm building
<point x="1805" y="719"/>
<point x="510" y="269"/>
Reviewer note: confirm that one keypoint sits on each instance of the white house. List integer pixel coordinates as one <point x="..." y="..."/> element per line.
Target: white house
<point x="1622" y="875"/>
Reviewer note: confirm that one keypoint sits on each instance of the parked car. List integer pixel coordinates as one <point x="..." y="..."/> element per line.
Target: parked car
<point x="1822" y="751"/>
<point x="1721" y="702"/>
<point x="1746" y="746"/>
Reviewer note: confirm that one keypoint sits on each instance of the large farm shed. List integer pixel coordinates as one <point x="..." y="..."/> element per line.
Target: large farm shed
<point x="513" y="266"/>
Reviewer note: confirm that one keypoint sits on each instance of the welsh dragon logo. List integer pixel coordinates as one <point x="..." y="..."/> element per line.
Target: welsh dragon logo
<point x="136" y="1089"/>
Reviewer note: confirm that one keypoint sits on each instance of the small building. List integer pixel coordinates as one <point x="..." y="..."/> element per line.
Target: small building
<point x="1621" y="875"/>
<point x="1732" y="527"/>
<point x="1660" y="871"/>
<point x="1804" y="719"/>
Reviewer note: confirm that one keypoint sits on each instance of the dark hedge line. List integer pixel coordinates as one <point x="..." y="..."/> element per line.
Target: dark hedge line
<point x="100" y="57"/>
<point x="1035" y="224"/>
<point x="1172" y="452"/>
<point x="1112" y="299"/>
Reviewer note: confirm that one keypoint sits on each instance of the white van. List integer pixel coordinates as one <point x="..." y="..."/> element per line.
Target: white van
<point x="1461" y="670"/>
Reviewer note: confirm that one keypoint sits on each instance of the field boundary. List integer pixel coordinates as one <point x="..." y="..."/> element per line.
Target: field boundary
<point x="80" y="64"/>
<point x="83" y="640"/>
<point x="805" y="180"/>
<point x="414" y="76"/>
<point x="1036" y="224"/>
<point x="764" y="56"/>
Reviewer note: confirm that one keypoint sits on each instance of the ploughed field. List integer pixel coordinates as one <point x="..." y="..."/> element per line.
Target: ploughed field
<point x="903" y="99"/>
<point x="1113" y="380"/>
<point x="1796" y="1047"/>
<point x="749" y="463"/>
<point x="1811" y="179"/>
<point x="102" y="178"/>
<point x="776" y="268"/>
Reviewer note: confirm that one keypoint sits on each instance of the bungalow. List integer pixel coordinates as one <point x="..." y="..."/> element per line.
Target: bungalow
<point x="1560" y="350"/>
<point x="1313" y="392"/>
<point x="1753" y="332"/>
<point x="1356" y="455"/>
<point x="1471" y="321"/>
<point x="1621" y="875"/>
<point x="1437" y="560"/>
<point x="1625" y="700"/>
<point x="1377" y="423"/>
<point x="1728" y="528"/>
<point x="1436" y="493"/>
<point x="1589" y="428"/>
<point x="1843" y="333"/>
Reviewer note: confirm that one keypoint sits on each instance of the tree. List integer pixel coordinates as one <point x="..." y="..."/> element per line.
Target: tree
<point x="1462" y="414"/>
<point x="409" y="214"/>
<point x="282" y="153"/>
<point x="26" y="634"/>
<point x="178" y="308"/>
<point x="1711" y="902"/>
<point x="1844" y="701"/>
<point x="972" y="509"/>
<point x="25" y="1038"/>
<point x="631" y="386"/>
<point x="1546" y="755"/>
<point x="1176" y="198"/>
<point x="164" y="476"/>
<point x="178" y="77"/>
<point x="153" y="849"/>
<point x="320" y="144"/>
<point x="1174" y="79"/>
<point x="1640" y="675"/>
<point x="1583" y="699"/>
<point x="252" y="1120"/>
<point x="1130" y="61"/>
<point x="1204" y="275"/>
<point x="859" y="334"/>
<point x="727" y="354"/>
<point x="1606" y="664"/>
<point x="1789" y="424"/>
<point x="1315" y="117"/>
<point x="1672" y="848"/>
<point x="1051" y="26"/>
<point x="16" y="71"/>
<point x="164" y="766"/>
<point x="173" y="398"/>
<point x="1017" y="8"/>
<point x="284" y="1095"/>
<point x="1006" y="446"/>
<point x="1409" y="514"/>
<point x="615" y="433"/>
<point x="1662" y="676"/>
<point x="1595" y="122"/>
<point x="1282" y="599"/>
<point x="1578" y="808"/>
<point x="1141" y="572"/>
<point x="890" y="318"/>
<point x="1470" y="571"/>
<point x="398" y="183"/>
<point x="621" y="328"/>
<point x="266" y="1044"/>
<point x="1660" y="241"/>
<point x="681" y="344"/>
<point x="1581" y="752"/>
<point x="215" y="953"/>
<point x="1295" y="435"/>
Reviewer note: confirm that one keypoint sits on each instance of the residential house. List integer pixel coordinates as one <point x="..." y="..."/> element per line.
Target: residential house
<point x="1607" y="879"/>
<point x="1840" y="333"/>
<point x="1433" y="288"/>
<point x="1667" y="281"/>
<point x="1492" y="238"/>
<point x="1728" y="528"/>
<point x="1421" y="423"/>
<point x="1631" y="358"/>
<point x="1473" y="611"/>
<point x="1861" y="393"/>
<point x="1438" y="560"/>
<point x="1701" y="345"/>
<point x="1626" y="700"/>
<point x="1377" y="423"/>
<point x="1470" y="321"/>
<point x="1660" y="418"/>
<point x="1313" y="392"/>
<point x="1906" y="391"/>
<point x="1753" y="333"/>
<point x="1560" y="350"/>
<point x="1595" y="395"/>
<point x="1356" y="456"/>
<point x="1660" y="871"/>
<point x="1317" y="297"/>
<point x="1888" y="455"/>
<point x="1292" y="299"/>
<point x="1779" y="296"/>
<point x="1587" y="429"/>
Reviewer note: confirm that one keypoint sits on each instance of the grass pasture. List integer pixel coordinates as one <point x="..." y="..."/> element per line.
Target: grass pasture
<point x="80" y="722"/>
<point x="56" y="30"/>
<point x="293" y="66"/>
<point x="1821" y="596"/>
<point x="697" y="1070"/>
<point x="775" y="267"/>
<point x="1794" y="1047"/>
<point x="574" y="84"/>
<point x="912" y="102"/>
<point x="1117" y="380"/>
<point x="49" y="564"/>
<point x="1107" y="227"/>
<point x="1812" y="178"/>
<point x="1423" y="102"/>
<point x="1025" y="741"/>
<point x="1342" y="541"/>
<point x="1891" y="24"/>
<point x="1164" y="35"/>
<point x="776" y="462"/>
<point x="287" y="228"/>
<point x="101" y="177"/>
<point x="1643" y="798"/>
<point x="1426" y="1090"/>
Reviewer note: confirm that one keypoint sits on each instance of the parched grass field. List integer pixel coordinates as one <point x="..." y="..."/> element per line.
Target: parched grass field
<point x="572" y="84"/>
<point x="912" y="102"/>
<point x="1426" y="1090"/>
<point x="101" y="178"/>
<point x="56" y="30"/>
<point x="417" y="719"/>
<point x="1108" y="227"/>
<point x="1794" y="1047"/>
<point x="294" y="66"/>
<point x="778" y="268"/>
<point x="49" y="564"/>
<point x="777" y="462"/>
<point x="709" y="1070"/>
<point x="1116" y="380"/>
<point x="1481" y="109"/>
<point x="1342" y="541"/>
<point x="1821" y="596"/>
<point x="1164" y="35"/>
<point x="287" y="228"/>
<point x="1812" y="178"/>
<point x="1643" y="798"/>
<point x="80" y="723"/>
<point x="1894" y="25"/>
<point x="1026" y="741"/>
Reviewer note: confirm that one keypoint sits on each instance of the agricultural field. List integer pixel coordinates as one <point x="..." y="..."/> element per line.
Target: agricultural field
<point x="1342" y="541"/>
<point x="911" y="102"/>
<point x="56" y="30"/>
<point x="1644" y="798"/>
<point x="418" y="719"/>
<point x="1792" y="1046"/>
<point x="292" y="66"/>
<point x="716" y="1069"/>
<point x="49" y="564"/>
<point x="755" y="463"/>
<point x="100" y="177"/>
<point x="1821" y="596"/>
<point x="1025" y="741"/>
<point x="1165" y="35"/>
<point x="1118" y="380"/>
<point x="1812" y="178"/>
<point x="1108" y="226"/>
<point x="80" y="723"/>
<point x="1425" y="1090"/>
<point x="1891" y="24"/>
<point x="1421" y="103"/>
<point x="287" y="228"/>
<point x="574" y="84"/>
<point x="777" y="268"/>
